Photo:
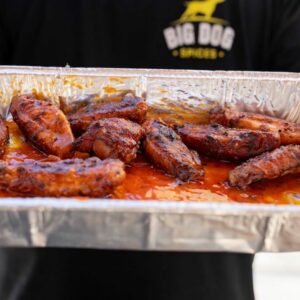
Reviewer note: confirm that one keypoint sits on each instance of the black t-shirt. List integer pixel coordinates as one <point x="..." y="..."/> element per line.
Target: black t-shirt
<point x="185" y="34"/>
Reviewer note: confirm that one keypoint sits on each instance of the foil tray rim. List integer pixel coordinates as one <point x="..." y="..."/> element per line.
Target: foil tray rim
<point x="155" y="73"/>
<point x="146" y="224"/>
<point x="26" y="203"/>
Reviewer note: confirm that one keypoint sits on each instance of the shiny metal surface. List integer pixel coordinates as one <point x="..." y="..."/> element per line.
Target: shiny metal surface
<point x="153" y="225"/>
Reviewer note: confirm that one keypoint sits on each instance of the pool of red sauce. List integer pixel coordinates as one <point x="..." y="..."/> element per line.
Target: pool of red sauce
<point x="143" y="181"/>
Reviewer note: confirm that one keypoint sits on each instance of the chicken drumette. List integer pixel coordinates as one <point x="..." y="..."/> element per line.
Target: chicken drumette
<point x="82" y="114"/>
<point x="282" y="161"/>
<point x="113" y="138"/>
<point x="43" y="124"/>
<point x="289" y="132"/>
<point x="226" y="143"/>
<point x="71" y="177"/>
<point x="166" y="150"/>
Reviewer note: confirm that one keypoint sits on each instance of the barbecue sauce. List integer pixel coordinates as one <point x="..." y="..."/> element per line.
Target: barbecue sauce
<point x="145" y="182"/>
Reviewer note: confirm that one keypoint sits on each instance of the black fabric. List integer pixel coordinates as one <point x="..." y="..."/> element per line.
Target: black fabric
<point x="64" y="274"/>
<point x="130" y="33"/>
<point x="265" y="35"/>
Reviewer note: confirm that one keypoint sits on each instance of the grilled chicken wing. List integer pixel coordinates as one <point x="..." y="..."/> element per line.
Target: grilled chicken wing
<point x="130" y="107"/>
<point x="71" y="177"/>
<point x="43" y="124"/>
<point x="113" y="138"/>
<point x="166" y="150"/>
<point x="282" y="161"/>
<point x="289" y="132"/>
<point x="226" y="143"/>
<point x="3" y="136"/>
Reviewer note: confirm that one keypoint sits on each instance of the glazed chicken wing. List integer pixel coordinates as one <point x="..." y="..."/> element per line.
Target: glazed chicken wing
<point x="113" y="138"/>
<point x="43" y="124"/>
<point x="226" y="143"/>
<point x="289" y="132"/>
<point x="71" y="177"/>
<point x="282" y="161"/>
<point x="130" y="107"/>
<point x="166" y="150"/>
<point x="3" y="136"/>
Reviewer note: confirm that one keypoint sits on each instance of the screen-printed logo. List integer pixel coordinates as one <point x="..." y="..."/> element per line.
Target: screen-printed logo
<point x="197" y="11"/>
<point x="198" y="34"/>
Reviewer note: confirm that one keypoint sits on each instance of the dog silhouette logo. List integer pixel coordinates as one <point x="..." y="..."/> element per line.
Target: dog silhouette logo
<point x="201" y="11"/>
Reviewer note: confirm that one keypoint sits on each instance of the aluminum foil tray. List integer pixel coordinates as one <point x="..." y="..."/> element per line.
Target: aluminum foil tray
<point x="154" y="225"/>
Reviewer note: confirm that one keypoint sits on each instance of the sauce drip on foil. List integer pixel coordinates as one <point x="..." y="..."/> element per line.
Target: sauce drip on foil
<point x="144" y="181"/>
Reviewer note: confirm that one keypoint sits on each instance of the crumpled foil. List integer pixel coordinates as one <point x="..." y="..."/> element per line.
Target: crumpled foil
<point x="154" y="225"/>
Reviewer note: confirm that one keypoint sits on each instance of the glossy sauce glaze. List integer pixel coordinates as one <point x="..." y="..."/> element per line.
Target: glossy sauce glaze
<point x="143" y="181"/>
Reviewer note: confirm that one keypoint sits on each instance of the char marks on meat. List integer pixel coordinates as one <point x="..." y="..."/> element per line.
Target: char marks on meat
<point x="3" y="136"/>
<point x="111" y="138"/>
<point x="282" y="161"/>
<point x="71" y="177"/>
<point x="289" y="132"/>
<point x="129" y="107"/>
<point x="226" y="143"/>
<point x="167" y="151"/>
<point x="43" y="124"/>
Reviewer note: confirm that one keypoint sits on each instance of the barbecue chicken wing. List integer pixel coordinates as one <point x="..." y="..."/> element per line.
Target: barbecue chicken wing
<point x="289" y="132"/>
<point x="71" y="177"/>
<point x="3" y="136"/>
<point x="282" y="161"/>
<point x="113" y="138"/>
<point x="226" y="143"/>
<point x="85" y="112"/>
<point x="43" y="124"/>
<point x="166" y="150"/>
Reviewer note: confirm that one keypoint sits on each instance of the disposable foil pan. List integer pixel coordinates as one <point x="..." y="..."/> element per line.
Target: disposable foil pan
<point x="154" y="225"/>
